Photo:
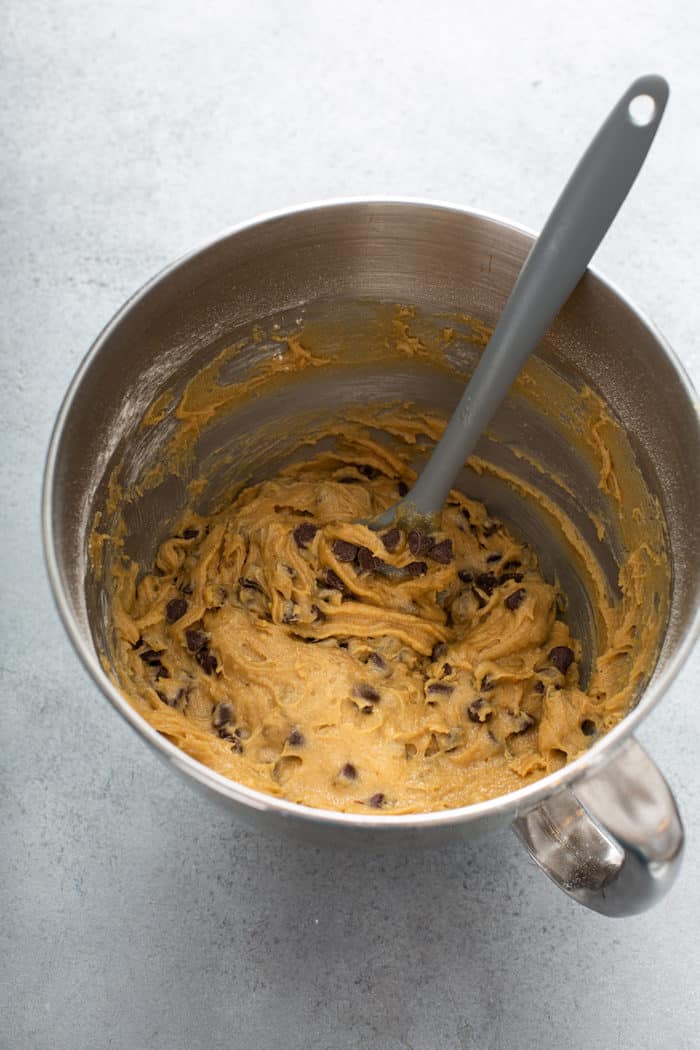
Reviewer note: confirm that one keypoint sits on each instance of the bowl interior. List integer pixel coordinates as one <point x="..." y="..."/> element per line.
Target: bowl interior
<point x="338" y="280"/>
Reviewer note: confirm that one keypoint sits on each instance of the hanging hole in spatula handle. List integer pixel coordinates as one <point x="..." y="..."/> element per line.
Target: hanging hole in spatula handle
<point x="641" y="110"/>
<point x="646" y="100"/>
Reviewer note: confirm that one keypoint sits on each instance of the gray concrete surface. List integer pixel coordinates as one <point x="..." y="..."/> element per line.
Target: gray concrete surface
<point x="133" y="914"/>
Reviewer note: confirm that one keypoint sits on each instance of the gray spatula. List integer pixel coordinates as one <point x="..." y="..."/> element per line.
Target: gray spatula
<point x="557" y="261"/>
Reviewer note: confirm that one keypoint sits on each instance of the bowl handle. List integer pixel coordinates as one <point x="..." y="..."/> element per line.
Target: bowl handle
<point x="613" y="842"/>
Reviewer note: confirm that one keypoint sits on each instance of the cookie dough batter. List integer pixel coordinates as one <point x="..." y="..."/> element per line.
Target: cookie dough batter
<point x="302" y="654"/>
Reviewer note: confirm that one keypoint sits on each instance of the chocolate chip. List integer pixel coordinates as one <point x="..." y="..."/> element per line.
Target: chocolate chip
<point x="476" y="712"/>
<point x="348" y="771"/>
<point x="493" y="558"/>
<point x="512" y="564"/>
<point x="304" y="533"/>
<point x="207" y="661"/>
<point x="152" y="656"/>
<point x="466" y="513"/>
<point x="438" y="651"/>
<point x="190" y="534"/>
<point x="369" y="472"/>
<point x="376" y="659"/>
<point x="319" y="617"/>
<point x="486" y="582"/>
<point x="465" y="576"/>
<point x="368" y="561"/>
<point x="137" y="644"/>
<point x="171" y="701"/>
<point x="442" y="552"/>
<point x="236" y="745"/>
<point x="562" y="657"/>
<point x="516" y="599"/>
<point x="152" y="659"/>
<point x="289" y="614"/>
<point x="419" y="542"/>
<point x="488" y="530"/>
<point x="455" y="740"/>
<point x="222" y="715"/>
<point x="440" y="687"/>
<point x="367" y="709"/>
<point x="344" y="551"/>
<point x="295" y="738"/>
<point x="334" y="581"/>
<point x="216" y="603"/>
<point x="376" y="800"/>
<point x="525" y="722"/>
<point x="349" y="480"/>
<point x="175" y="609"/>
<point x="516" y="577"/>
<point x="447" y="669"/>
<point x="588" y="727"/>
<point x="538" y="686"/>
<point x="480" y="600"/>
<point x="415" y="541"/>
<point x="486" y="684"/>
<point x="367" y="692"/>
<point x="402" y="488"/>
<point x="433" y="746"/>
<point x="415" y="568"/>
<point x="196" y="639"/>
<point x="251" y="585"/>
<point x="391" y="539"/>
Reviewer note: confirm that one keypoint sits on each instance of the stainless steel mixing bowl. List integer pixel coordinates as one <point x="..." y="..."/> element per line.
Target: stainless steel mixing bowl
<point x="605" y="827"/>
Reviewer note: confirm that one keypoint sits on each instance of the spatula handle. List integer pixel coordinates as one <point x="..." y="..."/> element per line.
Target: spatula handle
<point x="557" y="261"/>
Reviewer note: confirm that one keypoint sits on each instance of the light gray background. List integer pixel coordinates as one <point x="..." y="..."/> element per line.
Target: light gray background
<point x="136" y="916"/>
